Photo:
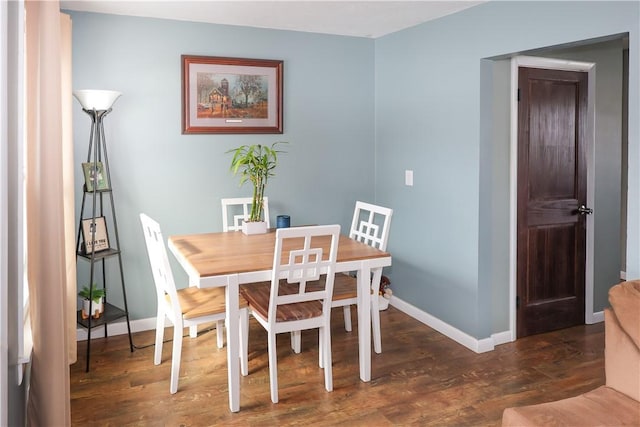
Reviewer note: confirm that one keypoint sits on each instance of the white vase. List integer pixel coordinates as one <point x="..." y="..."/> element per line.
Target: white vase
<point x="383" y="303"/>
<point x="254" y="227"/>
<point x="97" y="307"/>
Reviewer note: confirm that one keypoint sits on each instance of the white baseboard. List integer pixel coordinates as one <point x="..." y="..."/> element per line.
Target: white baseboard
<point x="118" y="328"/>
<point x="477" y="345"/>
<point x="502" y="338"/>
<point x="595" y="318"/>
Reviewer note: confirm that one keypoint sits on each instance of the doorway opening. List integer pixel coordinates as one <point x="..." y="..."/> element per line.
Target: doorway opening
<point x="607" y="179"/>
<point x="606" y="165"/>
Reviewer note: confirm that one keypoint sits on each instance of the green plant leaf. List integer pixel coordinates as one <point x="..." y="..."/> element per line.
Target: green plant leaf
<point x="95" y="293"/>
<point x="255" y="163"/>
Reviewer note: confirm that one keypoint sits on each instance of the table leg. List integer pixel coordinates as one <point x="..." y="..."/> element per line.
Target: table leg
<point x="364" y="320"/>
<point x="233" y="343"/>
<point x="193" y="329"/>
<point x="376" y="274"/>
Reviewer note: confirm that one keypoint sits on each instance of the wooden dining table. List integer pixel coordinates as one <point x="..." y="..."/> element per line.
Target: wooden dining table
<point x="233" y="258"/>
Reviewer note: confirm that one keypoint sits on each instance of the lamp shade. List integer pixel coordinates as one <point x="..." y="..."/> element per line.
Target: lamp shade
<point x="96" y="99"/>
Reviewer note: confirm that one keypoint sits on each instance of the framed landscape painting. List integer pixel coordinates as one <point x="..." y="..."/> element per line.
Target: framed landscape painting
<point x="231" y="95"/>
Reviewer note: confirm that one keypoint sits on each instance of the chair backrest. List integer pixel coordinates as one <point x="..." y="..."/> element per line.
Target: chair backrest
<point x="303" y="254"/>
<point x="371" y="225"/>
<point x="236" y="210"/>
<point x="160" y="267"/>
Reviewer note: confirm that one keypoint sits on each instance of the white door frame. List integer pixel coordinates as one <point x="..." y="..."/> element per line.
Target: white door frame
<point x="4" y="212"/>
<point x="553" y="64"/>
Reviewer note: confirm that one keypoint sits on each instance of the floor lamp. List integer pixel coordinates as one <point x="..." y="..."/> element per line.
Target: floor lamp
<point x="97" y="104"/>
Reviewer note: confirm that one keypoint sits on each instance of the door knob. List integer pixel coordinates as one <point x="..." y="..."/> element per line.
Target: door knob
<point x="583" y="210"/>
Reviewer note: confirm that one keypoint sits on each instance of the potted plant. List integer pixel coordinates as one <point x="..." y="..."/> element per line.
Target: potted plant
<point x="384" y="293"/>
<point x="255" y="163"/>
<point x="95" y="294"/>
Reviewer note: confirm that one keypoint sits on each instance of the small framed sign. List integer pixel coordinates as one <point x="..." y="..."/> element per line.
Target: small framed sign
<point x="95" y="176"/>
<point x="95" y="235"/>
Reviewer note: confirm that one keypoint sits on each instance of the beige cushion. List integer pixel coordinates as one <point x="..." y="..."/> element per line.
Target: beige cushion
<point x="621" y="358"/>
<point x="600" y="407"/>
<point x="625" y="301"/>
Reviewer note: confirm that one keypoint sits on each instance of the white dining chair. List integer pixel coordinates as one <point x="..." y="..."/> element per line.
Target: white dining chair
<point x="237" y="210"/>
<point x="287" y="303"/>
<point x="184" y="307"/>
<point x="370" y="225"/>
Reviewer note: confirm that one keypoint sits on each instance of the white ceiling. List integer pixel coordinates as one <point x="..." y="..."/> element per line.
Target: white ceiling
<point x="347" y="18"/>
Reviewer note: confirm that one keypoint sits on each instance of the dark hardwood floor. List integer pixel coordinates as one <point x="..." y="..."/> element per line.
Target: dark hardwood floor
<point x="421" y="378"/>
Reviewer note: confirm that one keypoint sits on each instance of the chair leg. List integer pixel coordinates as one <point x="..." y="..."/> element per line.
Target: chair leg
<point x="296" y="341"/>
<point x="325" y="332"/>
<point x="193" y="331"/>
<point x="375" y="321"/>
<point x="220" y="333"/>
<point x="346" y="311"/>
<point x="175" y="357"/>
<point x="273" y="367"/>
<point x="320" y="349"/>
<point x="244" y="342"/>
<point x="157" y="356"/>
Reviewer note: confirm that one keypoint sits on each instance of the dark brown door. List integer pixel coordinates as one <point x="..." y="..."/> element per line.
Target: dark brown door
<point x="552" y="177"/>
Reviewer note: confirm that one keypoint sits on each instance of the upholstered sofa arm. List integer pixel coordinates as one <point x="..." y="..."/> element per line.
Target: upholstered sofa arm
<point x="622" y="339"/>
<point x="625" y="302"/>
<point x="618" y="402"/>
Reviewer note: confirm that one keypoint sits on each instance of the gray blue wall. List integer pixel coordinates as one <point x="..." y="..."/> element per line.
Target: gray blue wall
<point x="447" y="243"/>
<point x="179" y="179"/>
<point x="357" y="113"/>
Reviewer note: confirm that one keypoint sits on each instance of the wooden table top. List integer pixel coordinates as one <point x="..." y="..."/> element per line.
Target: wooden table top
<point x="216" y="254"/>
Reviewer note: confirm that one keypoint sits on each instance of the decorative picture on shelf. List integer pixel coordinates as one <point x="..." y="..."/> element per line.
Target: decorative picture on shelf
<point x="95" y="176"/>
<point x="231" y="95"/>
<point x="94" y="234"/>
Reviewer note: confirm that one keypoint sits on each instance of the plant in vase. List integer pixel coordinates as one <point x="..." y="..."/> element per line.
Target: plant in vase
<point x="95" y="294"/>
<point x="255" y="163"/>
<point x="384" y="293"/>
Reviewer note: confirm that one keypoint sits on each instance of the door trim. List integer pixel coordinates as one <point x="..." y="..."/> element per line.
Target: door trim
<point x="554" y="64"/>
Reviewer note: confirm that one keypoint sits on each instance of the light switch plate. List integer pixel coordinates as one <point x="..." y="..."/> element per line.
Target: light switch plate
<point x="408" y="178"/>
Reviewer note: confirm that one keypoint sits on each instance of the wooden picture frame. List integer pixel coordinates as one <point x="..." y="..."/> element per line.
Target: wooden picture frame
<point x="100" y="240"/>
<point x="95" y="173"/>
<point x="231" y="95"/>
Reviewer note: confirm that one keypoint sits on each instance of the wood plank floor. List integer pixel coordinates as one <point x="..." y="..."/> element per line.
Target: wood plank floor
<point x="421" y="378"/>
